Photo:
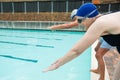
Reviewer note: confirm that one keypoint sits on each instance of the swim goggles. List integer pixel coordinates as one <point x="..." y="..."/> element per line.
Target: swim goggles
<point x="80" y="19"/>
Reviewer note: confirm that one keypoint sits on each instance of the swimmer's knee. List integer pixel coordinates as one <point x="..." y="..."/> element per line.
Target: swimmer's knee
<point x="98" y="55"/>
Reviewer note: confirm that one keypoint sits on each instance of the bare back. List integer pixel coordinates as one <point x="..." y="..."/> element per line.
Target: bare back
<point x="109" y="23"/>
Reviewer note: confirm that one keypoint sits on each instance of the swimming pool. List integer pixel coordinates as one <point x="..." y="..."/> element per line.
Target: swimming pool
<point x="25" y="53"/>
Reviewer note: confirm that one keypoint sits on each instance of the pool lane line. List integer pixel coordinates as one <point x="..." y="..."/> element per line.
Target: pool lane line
<point x="29" y="37"/>
<point x="45" y="46"/>
<point x="26" y="44"/>
<point x="18" y="58"/>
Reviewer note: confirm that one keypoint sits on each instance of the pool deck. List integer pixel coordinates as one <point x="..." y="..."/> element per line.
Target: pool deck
<point x="110" y="58"/>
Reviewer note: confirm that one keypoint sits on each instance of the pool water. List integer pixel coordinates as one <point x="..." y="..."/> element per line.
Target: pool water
<point x="25" y="53"/>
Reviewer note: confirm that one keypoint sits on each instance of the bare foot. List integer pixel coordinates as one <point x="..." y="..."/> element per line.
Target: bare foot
<point x="95" y="71"/>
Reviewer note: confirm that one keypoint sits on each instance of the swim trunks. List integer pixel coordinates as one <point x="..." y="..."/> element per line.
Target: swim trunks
<point x="104" y="44"/>
<point x="113" y="40"/>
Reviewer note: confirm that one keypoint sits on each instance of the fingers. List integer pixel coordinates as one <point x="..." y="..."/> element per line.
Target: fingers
<point x="51" y="68"/>
<point x="51" y="27"/>
<point x="45" y="70"/>
<point x="48" y="27"/>
<point x="55" y="62"/>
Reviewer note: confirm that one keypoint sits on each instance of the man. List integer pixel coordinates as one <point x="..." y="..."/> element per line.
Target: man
<point x="74" y="22"/>
<point x="103" y="26"/>
<point x="101" y="48"/>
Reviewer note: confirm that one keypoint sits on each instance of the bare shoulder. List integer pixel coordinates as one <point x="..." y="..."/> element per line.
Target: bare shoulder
<point x="99" y="22"/>
<point x="109" y="22"/>
<point x="111" y="16"/>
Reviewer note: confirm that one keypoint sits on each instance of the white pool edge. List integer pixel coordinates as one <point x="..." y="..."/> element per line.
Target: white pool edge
<point x="94" y="65"/>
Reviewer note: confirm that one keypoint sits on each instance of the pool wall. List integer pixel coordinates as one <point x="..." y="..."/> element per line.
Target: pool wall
<point x="35" y="25"/>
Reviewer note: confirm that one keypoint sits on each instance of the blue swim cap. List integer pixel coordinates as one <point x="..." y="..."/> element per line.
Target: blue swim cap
<point x="87" y="10"/>
<point x="73" y="14"/>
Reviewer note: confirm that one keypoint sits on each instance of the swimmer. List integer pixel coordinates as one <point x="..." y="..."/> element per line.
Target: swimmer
<point x="74" y="22"/>
<point x="101" y="49"/>
<point x="107" y="26"/>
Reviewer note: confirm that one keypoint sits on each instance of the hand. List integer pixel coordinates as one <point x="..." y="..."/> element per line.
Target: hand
<point x="54" y="66"/>
<point x="54" y="27"/>
<point x="51" y="27"/>
<point x="48" y="27"/>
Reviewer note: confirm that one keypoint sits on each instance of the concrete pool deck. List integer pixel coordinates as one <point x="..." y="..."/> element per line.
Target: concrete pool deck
<point x="110" y="58"/>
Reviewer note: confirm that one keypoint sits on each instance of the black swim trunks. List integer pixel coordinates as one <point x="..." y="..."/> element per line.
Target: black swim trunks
<point x="113" y="40"/>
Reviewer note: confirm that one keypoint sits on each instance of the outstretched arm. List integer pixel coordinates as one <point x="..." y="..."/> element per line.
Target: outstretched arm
<point x="93" y="33"/>
<point x="63" y="26"/>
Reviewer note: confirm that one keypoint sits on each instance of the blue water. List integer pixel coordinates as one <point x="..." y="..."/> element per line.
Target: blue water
<point x="25" y="53"/>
